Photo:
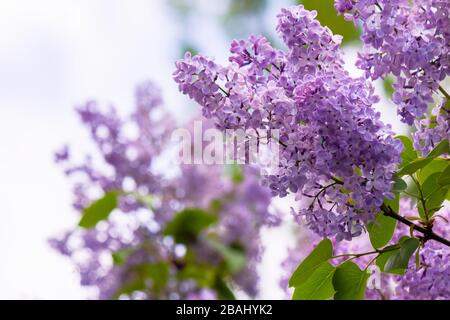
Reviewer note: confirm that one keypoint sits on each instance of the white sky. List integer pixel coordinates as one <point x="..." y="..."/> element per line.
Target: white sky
<point x="55" y="54"/>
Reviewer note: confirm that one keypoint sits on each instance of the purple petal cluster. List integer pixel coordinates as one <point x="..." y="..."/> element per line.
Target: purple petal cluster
<point x="334" y="148"/>
<point x="409" y="39"/>
<point x="113" y="257"/>
<point x="432" y="128"/>
<point x="431" y="281"/>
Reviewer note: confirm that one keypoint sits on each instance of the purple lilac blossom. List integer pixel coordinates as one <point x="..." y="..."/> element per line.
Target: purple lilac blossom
<point x="409" y="39"/>
<point x="134" y="231"/>
<point x="328" y="127"/>
<point x="203" y="294"/>
<point x="432" y="128"/>
<point x="432" y="280"/>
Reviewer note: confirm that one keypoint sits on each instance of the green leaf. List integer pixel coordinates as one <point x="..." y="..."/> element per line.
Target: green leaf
<point x="235" y="172"/>
<point x="321" y="253"/>
<point x="349" y="282"/>
<point x="398" y="261"/>
<point x="435" y="200"/>
<point x="120" y="257"/>
<point x="437" y="165"/>
<point x="204" y="275"/>
<point x="318" y="286"/>
<point x="441" y="148"/>
<point x="413" y="166"/>
<point x="399" y="185"/>
<point x="158" y="273"/>
<point x="393" y="203"/>
<point x="188" y="223"/>
<point x="408" y="154"/>
<point x="223" y="290"/>
<point x="387" y="84"/>
<point x="381" y="230"/>
<point x="129" y="288"/>
<point x="215" y="206"/>
<point x="431" y="184"/>
<point x="444" y="178"/>
<point x="234" y="258"/>
<point x="327" y="15"/>
<point x="433" y="193"/>
<point x="383" y="257"/>
<point x="99" y="210"/>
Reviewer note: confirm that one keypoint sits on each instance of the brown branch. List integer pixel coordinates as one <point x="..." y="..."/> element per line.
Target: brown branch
<point x="428" y="233"/>
<point x="446" y="95"/>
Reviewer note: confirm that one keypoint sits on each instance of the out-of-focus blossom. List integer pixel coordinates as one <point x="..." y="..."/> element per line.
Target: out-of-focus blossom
<point x="129" y="255"/>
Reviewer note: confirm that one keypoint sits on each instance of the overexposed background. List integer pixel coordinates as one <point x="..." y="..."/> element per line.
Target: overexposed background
<point x="55" y="54"/>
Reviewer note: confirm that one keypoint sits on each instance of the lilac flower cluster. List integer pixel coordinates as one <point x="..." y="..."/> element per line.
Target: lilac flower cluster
<point x="121" y="255"/>
<point x="409" y="39"/>
<point x="432" y="128"/>
<point x="431" y="281"/>
<point x="335" y="149"/>
<point x="129" y="156"/>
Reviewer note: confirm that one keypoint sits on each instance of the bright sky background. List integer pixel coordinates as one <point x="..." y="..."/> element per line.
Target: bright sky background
<point x="55" y="54"/>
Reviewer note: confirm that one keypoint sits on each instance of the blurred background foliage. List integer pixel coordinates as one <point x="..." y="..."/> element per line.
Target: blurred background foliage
<point x="241" y="17"/>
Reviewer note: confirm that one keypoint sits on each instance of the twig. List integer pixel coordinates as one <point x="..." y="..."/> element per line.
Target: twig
<point x="428" y="233"/>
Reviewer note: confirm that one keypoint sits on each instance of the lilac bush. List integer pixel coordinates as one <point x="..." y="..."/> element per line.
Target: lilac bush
<point x="346" y="168"/>
<point x="375" y="203"/>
